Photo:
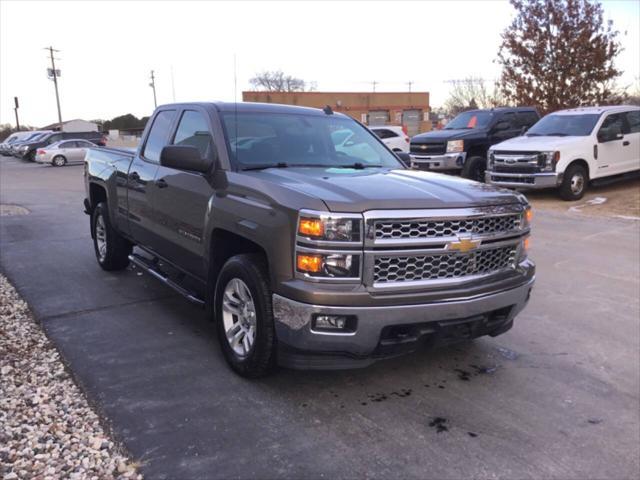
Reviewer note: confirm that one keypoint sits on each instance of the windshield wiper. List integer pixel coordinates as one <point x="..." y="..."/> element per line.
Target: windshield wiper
<point x="358" y="166"/>
<point x="533" y="135"/>
<point x="557" y="134"/>
<point x="263" y="167"/>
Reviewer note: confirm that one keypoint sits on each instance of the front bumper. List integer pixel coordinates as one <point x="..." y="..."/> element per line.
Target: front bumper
<point x="390" y="330"/>
<point x="523" y="180"/>
<point x="448" y="161"/>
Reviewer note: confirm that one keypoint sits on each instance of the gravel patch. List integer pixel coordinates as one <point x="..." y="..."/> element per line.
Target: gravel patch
<point x="47" y="428"/>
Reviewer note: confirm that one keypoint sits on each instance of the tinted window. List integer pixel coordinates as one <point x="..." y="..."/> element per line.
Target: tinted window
<point x="526" y="119"/>
<point x="67" y="145"/>
<point x="510" y="118"/>
<point x="384" y="133"/>
<point x="615" y="123"/>
<point x="633" y="119"/>
<point x="158" y="135"/>
<point x="259" y="139"/>
<point x="578" y="125"/>
<point x="469" y="120"/>
<point x="54" y="139"/>
<point x="193" y="130"/>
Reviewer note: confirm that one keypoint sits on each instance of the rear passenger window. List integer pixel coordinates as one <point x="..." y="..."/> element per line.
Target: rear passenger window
<point x="194" y="130"/>
<point x="633" y="119"/>
<point x="158" y="135"/>
<point x="384" y="133"/>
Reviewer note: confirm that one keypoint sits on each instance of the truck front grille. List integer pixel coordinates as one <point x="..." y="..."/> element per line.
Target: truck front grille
<point x="416" y="229"/>
<point x="441" y="266"/>
<point x="428" y="148"/>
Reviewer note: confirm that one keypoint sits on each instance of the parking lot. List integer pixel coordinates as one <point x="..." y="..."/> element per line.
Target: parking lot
<point x="557" y="396"/>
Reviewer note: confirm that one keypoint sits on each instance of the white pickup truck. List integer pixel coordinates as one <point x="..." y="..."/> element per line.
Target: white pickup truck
<point x="567" y="149"/>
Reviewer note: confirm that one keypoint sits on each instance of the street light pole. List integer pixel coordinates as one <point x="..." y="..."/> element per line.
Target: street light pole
<point x="153" y="87"/>
<point x="15" y="109"/>
<point x="55" y="82"/>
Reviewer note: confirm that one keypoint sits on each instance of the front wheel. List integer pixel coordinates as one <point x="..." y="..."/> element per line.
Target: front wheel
<point x="244" y="316"/>
<point x="112" y="250"/>
<point x="474" y="169"/>
<point x="574" y="182"/>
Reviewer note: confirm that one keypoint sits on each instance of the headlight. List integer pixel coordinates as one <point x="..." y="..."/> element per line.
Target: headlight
<point x="455" y="146"/>
<point x="492" y="159"/>
<point x="328" y="228"/>
<point x="527" y="216"/>
<point x="328" y="265"/>
<point x="547" y="161"/>
<point x="524" y="249"/>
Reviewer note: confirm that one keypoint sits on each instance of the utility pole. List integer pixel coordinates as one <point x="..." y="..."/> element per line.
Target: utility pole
<point x="153" y="87"/>
<point x="374" y="83"/>
<point x="173" y="86"/>
<point x="15" y="101"/>
<point x="55" y="81"/>
<point x="409" y="83"/>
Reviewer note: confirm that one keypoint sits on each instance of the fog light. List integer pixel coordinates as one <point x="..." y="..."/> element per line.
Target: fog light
<point x="334" y="323"/>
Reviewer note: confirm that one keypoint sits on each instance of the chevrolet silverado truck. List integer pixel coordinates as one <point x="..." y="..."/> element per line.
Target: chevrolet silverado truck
<point x="462" y="145"/>
<point x="568" y="149"/>
<point x="308" y="251"/>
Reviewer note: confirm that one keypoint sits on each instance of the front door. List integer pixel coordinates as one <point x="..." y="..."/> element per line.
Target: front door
<point x="141" y="175"/>
<point x="181" y="199"/>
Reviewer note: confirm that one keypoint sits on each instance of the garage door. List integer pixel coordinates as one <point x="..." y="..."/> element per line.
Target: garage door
<point x="411" y="120"/>
<point x="378" y="117"/>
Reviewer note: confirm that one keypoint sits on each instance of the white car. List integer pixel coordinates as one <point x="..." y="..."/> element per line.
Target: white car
<point x="567" y="149"/>
<point x="393" y="137"/>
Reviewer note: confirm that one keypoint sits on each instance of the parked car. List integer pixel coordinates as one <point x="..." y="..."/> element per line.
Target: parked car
<point x="394" y="137"/>
<point x="5" y="146"/>
<point x="33" y="136"/>
<point x="569" y="148"/>
<point x="28" y="150"/>
<point x="306" y="252"/>
<point x="64" y="152"/>
<point x="462" y="145"/>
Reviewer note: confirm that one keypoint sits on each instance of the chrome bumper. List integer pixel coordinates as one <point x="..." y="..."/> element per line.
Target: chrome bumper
<point x="293" y="323"/>
<point x="448" y="161"/>
<point x="523" y="180"/>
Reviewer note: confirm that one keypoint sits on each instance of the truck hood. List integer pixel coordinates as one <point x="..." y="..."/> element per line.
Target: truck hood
<point x="525" y="143"/>
<point x="445" y="135"/>
<point x="349" y="190"/>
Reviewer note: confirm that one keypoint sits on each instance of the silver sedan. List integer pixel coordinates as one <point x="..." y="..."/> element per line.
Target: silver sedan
<point x="61" y="153"/>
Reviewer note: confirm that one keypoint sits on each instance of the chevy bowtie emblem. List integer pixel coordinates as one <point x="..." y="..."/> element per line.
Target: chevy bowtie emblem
<point x="423" y="147"/>
<point x="463" y="245"/>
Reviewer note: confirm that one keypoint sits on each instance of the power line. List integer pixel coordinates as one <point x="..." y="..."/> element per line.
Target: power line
<point x="54" y="76"/>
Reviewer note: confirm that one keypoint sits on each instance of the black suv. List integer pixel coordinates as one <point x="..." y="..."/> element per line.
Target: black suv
<point x="463" y="143"/>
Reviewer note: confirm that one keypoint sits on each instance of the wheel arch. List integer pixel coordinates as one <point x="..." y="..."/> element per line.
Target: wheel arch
<point x="580" y="161"/>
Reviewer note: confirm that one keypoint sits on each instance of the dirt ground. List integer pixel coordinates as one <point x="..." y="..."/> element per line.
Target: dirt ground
<point x="620" y="199"/>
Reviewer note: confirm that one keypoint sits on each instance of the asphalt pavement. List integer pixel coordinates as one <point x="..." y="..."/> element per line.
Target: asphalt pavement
<point x="558" y="396"/>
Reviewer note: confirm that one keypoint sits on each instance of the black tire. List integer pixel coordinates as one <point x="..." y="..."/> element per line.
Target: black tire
<point x="261" y="358"/>
<point x="474" y="168"/>
<point x="117" y="249"/>
<point x="31" y="157"/>
<point x="574" y="182"/>
<point x="59" y="161"/>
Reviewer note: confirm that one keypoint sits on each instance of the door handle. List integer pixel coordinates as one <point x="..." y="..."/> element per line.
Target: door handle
<point x="134" y="176"/>
<point x="161" y="183"/>
<point x="625" y="143"/>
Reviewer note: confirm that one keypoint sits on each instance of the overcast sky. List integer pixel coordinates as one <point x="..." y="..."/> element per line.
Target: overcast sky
<point x="107" y="49"/>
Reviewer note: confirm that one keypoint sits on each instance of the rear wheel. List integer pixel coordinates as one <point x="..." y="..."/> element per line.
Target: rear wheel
<point x="574" y="182"/>
<point x="112" y="250"/>
<point x="474" y="169"/>
<point x="244" y="316"/>
<point x="59" y="161"/>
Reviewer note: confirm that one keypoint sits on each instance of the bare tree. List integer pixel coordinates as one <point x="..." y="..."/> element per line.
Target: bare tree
<point x="559" y="54"/>
<point x="470" y="93"/>
<point x="278" y="81"/>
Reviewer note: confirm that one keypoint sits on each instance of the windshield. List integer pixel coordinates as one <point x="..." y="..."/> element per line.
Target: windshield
<point x="261" y="140"/>
<point x="564" y="125"/>
<point x="469" y="120"/>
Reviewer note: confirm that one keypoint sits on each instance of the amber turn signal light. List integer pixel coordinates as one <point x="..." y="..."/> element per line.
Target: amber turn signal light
<point x="528" y="215"/>
<point x="311" y="227"/>
<point x="525" y="244"/>
<point x="309" y="263"/>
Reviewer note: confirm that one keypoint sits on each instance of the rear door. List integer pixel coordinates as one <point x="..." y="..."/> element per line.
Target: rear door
<point x="181" y="197"/>
<point x="632" y="140"/>
<point x="141" y="175"/>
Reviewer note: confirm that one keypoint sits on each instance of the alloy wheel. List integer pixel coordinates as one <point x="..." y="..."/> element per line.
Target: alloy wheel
<point x="239" y="317"/>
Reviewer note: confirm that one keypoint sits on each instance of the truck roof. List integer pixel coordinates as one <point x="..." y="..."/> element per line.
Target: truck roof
<point x="256" y="107"/>
<point x="503" y="109"/>
<point x="596" y="110"/>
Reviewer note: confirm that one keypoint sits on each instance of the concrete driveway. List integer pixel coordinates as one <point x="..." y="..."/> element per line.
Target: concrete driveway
<point x="556" y="397"/>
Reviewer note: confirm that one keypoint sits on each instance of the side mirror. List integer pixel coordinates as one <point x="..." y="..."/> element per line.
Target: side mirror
<point x="500" y="126"/>
<point x="184" y="157"/>
<point x="405" y="158"/>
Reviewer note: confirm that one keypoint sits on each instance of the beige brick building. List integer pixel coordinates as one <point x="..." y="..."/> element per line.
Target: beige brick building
<point x="410" y="109"/>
